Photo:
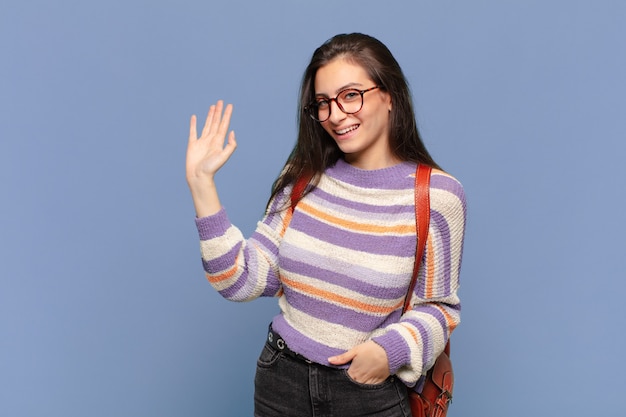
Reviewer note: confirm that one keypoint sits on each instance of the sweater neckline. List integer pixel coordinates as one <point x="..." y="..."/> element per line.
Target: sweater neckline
<point x="382" y="177"/>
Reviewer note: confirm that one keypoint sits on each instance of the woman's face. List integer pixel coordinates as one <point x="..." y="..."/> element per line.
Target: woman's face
<point x="363" y="136"/>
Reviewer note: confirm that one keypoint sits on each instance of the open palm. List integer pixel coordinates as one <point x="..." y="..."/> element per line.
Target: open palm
<point x="207" y="154"/>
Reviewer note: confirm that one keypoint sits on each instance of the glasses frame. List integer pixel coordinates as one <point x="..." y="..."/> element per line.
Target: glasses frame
<point x="311" y="108"/>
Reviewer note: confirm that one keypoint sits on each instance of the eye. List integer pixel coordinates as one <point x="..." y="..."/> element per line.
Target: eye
<point x="350" y="95"/>
<point x="321" y="103"/>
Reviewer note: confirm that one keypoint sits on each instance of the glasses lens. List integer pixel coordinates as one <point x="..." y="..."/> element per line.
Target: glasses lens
<point x="320" y="110"/>
<point x="351" y="101"/>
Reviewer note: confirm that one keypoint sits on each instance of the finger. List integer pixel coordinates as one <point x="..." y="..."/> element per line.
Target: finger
<point x="208" y="121"/>
<point x="232" y="141"/>
<point x="215" y="119"/>
<point x="193" y="134"/>
<point x="230" y="147"/>
<point x="343" y="358"/>
<point x="225" y="122"/>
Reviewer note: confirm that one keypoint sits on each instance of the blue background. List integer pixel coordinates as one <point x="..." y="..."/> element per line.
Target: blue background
<point x="104" y="309"/>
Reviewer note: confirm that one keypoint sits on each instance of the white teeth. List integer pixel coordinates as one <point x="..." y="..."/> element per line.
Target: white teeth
<point x="344" y="131"/>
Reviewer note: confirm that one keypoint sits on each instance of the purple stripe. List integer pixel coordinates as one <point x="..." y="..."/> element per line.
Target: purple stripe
<point x="434" y="312"/>
<point x="230" y="292"/>
<point x="396" y="346"/>
<point x="248" y="277"/>
<point x="273" y="285"/>
<point x="426" y="343"/>
<point x="251" y="276"/>
<point x="443" y="182"/>
<point x="396" y="285"/>
<point x="454" y="307"/>
<point x="391" y="178"/>
<point x="222" y="263"/>
<point x="425" y="333"/>
<point x="303" y="345"/>
<point x="279" y="201"/>
<point x="251" y="256"/>
<point x="276" y="209"/>
<point x="404" y="245"/>
<point x="333" y="313"/>
<point x="213" y="226"/>
<point x="325" y="199"/>
<point x="269" y="250"/>
<point x="263" y="242"/>
<point x="447" y="183"/>
<point x="445" y="267"/>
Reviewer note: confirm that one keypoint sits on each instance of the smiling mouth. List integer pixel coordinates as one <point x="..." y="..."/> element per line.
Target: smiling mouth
<point x="347" y="130"/>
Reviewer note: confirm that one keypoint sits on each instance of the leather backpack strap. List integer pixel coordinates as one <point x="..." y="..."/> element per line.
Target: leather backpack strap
<point x="422" y="222"/>
<point x="298" y="191"/>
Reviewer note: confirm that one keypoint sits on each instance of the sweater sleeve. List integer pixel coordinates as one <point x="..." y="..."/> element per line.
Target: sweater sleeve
<point x="240" y="269"/>
<point x="414" y="343"/>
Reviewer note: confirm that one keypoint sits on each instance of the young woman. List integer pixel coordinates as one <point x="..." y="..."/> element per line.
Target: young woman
<point x="340" y="263"/>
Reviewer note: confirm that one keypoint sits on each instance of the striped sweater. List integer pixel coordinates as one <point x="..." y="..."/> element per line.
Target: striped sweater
<point x="341" y="264"/>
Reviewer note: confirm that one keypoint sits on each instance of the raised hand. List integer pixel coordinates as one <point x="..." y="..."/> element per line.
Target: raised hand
<point x="206" y="155"/>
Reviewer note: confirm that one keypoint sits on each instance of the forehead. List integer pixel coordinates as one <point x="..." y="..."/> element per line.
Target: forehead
<point x="338" y="74"/>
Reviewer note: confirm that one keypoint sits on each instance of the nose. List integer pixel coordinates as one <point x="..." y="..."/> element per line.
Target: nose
<point x="336" y="114"/>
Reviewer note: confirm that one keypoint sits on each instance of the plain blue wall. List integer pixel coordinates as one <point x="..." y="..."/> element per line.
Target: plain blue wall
<point x="104" y="309"/>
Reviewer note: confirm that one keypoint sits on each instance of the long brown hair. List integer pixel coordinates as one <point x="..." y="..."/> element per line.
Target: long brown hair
<point x="315" y="150"/>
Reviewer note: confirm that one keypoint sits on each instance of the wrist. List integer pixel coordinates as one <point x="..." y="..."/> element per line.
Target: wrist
<point x="199" y="181"/>
<point x="204" y="195"/>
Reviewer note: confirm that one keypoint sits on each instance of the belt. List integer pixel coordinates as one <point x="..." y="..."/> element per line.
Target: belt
<point x="278" y="343"/>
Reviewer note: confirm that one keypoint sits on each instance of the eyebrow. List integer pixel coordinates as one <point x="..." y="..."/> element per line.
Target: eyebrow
<point x="340" y="89"/>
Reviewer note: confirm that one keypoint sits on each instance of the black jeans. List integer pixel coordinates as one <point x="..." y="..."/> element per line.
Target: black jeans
<point x="286" y="386"/>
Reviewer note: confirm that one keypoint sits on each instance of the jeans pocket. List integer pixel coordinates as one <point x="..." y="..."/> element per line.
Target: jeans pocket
<point x="268" y="356"/>
<point x="380" y="385"/>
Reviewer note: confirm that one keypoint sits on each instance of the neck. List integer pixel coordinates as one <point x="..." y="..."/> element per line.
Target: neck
<point x="378" y="162"/>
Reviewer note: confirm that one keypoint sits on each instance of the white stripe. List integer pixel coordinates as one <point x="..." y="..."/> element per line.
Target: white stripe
<point x="326" y="333"/>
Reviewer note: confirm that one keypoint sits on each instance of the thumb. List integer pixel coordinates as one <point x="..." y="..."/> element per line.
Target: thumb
<point x="343" y="358"/>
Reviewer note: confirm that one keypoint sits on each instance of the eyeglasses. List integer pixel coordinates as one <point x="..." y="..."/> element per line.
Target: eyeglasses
<point x="349" y="101"/>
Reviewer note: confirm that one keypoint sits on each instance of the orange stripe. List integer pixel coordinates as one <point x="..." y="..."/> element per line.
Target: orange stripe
<point x="286" y="221"/>
<point x="223" y="276"/>
<point x="327" y="295"/>
<point x="413" y="334"/>
<point x="358" y="227"/>
<point x="449" y="320"/>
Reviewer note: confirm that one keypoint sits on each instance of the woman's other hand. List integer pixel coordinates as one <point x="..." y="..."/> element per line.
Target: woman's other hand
<point x="369" y="363"/>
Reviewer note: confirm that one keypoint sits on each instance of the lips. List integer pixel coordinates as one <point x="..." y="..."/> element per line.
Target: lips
<point x="347" y="130"/>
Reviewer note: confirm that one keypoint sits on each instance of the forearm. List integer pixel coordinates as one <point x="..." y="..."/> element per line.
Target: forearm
<point x="205" y="198"/>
